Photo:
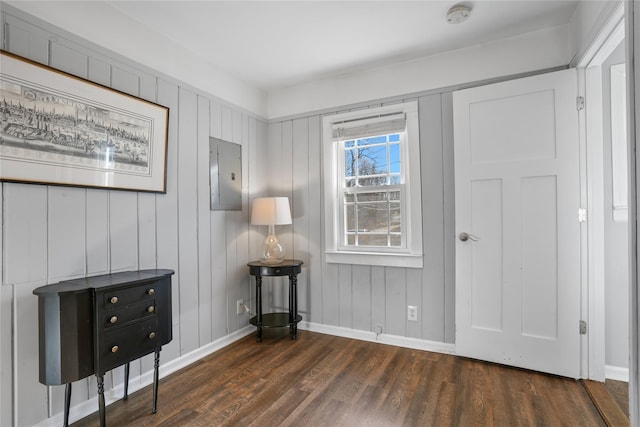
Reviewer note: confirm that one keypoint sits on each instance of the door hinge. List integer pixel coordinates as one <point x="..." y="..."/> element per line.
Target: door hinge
<point x="580" y="103"/>
<point x="582" y="215"/>
<point x="583" y="327"/>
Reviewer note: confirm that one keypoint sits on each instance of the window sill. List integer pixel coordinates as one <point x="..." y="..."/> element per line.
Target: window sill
<point x="375" y="258"/>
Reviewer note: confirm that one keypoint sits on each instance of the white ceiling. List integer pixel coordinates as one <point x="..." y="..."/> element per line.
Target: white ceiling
<point x="271" y="44"/>
<point x="259" y="54"/>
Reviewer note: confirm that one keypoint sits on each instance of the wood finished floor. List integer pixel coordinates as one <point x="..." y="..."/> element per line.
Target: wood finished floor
<point x="323" y="380"/>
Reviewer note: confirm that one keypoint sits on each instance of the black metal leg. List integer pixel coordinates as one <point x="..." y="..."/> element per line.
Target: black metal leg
<point x="293" y="307"/>
<point x="126" y="382"/>
<point x="103" y="420"/>
<point x="67" y="403"/>
<point x="156" y="364"/>
<point x="259" y="307"/>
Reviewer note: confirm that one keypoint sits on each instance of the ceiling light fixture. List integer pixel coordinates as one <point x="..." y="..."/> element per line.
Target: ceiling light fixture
<point x="458" y="13"/>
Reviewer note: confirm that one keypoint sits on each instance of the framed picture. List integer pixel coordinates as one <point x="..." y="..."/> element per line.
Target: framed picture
<point x="59" y="129"/>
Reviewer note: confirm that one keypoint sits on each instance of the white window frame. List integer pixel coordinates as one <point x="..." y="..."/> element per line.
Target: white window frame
<point x="410" y="255"/>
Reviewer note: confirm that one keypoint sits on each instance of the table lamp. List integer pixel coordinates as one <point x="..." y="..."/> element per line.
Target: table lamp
<point x="271" y="211"/>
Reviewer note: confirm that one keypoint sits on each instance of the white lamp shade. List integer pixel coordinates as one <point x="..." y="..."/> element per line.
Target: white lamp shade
<point x="271" y="211"/>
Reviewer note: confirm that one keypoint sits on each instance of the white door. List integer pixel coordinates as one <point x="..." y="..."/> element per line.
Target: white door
<point x="517" y="197"/>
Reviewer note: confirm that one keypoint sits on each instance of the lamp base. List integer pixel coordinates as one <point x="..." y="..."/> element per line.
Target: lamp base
<point x="272" y="250"/>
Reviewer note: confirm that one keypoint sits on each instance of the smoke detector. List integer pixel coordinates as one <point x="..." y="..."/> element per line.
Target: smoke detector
<point x="458" y="13"/>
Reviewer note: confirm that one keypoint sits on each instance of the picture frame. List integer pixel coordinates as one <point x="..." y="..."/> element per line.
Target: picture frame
<point x="59" y="129"/>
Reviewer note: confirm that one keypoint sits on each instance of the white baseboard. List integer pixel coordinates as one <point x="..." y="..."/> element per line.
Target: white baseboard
<point x="114" y="394"/>
<point x="418" y="344"/>
<point x="616" y="373"/>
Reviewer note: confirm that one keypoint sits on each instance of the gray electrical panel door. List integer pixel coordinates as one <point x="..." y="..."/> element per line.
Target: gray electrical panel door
<point x="225" y="175"/>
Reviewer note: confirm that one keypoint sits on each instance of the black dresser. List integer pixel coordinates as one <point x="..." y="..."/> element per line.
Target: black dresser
<point x="94" y="324"/>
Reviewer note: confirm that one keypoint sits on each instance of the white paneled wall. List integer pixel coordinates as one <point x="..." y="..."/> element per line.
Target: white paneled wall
<point x="52" y="233"/>
<point x="362" y="297"/>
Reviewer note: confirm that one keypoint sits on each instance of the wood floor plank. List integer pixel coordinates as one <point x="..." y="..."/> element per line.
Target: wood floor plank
<point x="323" y="380"/>
<point x="611" y="412"/>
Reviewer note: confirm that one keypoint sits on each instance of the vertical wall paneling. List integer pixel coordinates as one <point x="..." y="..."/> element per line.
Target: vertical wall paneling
<point x="167" y="215"/>
<point x="6" y="354"/>
<point x="363" y="297"/>
<point x="229" y="236"/>
<point x="236" y="235"/>
<point x="242" y="217"/>
<point x="187" y="220"/>
<point x="218" y="248"/>
<point x="25" y="234"/>
<point x="395" y="300"/>
<point x="449" y="219"/>
<point x="378" y="298"/>
<point x="299" y="207"/>
<point x="123" y="230"/>
<point x="204" y="226"/>
<point x="53" y="233"/>
<point x="432" y="304"/>
<point x="314" y="211"/>
<point x="26" y="368"/>
<point x="345" y="295"/>
<point x="66" y="227"/>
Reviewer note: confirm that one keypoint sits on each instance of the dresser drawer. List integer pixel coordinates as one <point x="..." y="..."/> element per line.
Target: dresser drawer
<point x="130" y="342"/>
<point x="129" y="313"/>
<point x="119" y="298"/>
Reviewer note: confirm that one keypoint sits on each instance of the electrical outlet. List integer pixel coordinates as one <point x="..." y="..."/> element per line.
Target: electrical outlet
<point x="412" y="312"/>
<point x="240" y="306"/>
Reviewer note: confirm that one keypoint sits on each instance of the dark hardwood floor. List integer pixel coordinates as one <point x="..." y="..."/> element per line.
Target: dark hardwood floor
<point x="323" y="380"/>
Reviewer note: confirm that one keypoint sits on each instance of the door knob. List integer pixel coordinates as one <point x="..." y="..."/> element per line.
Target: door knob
<point x="464" y="236"/>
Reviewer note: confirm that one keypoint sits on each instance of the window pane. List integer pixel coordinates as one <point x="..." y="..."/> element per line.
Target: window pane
<point x="373" y="217"/>
<point x="378" y="196"/>
<point x="394" y="195"/>
<point x="349" y="144"/>
<point x="372" y="181"/>
<point x="350" y="182"/>
<point x="349" y="197"/>
<point x="372" y="240"/>
<point x="372" y="160"/>
<point x="373" y="140"/>
<point x="395" y="180"/>
<point x="395" y="219"/>
<point x="350" y="162"/>
<point x="394" y="138"/>
<point x="350" y="217"/>
<point x="394" y="158"/>
<point x="351" y="240"/>
<point x="396" y="240"/>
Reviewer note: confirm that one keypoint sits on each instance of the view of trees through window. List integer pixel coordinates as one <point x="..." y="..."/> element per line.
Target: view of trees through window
<point x="372" y="191"/>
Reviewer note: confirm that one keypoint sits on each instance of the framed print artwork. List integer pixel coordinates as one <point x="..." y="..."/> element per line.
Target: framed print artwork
<point x="59" y="129"/>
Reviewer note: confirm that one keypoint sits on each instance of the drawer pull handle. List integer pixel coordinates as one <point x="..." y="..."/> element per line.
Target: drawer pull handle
<point x="113" y="319"/>
<point x="152" y="335"/>
<point x="114" y="349"/>
<point x="114" y="300"/>
<point x="151" y="291"/>
<point x="150" y="309"/>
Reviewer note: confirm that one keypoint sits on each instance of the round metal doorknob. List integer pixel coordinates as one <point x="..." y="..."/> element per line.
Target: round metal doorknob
<point x="464" y="236"/>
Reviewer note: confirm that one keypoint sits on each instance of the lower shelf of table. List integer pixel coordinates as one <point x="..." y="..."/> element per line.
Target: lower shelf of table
<point x="275" y="320"/>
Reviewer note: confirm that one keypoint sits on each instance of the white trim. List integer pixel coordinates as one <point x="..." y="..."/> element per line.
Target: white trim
<point x="417" y="344"/>
<point x="616" y="373"/>
<point x="412" y="202"/>
<point x="607" y="39"/>
<point x="90" y="406"/>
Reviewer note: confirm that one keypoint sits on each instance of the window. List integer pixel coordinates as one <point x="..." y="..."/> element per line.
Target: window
<point x="372" y="187"/>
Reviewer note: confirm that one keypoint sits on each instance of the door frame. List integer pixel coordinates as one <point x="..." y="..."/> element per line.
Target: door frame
<point x="589" y="68"/>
